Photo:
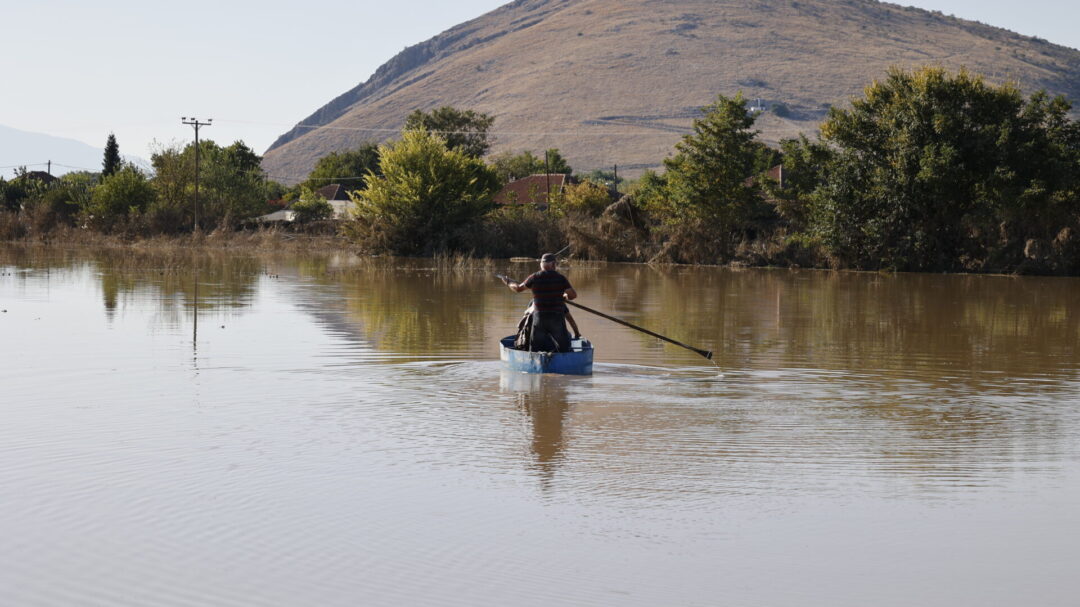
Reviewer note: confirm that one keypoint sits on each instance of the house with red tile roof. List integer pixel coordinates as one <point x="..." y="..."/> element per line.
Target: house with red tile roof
<point x="534" y="189"/>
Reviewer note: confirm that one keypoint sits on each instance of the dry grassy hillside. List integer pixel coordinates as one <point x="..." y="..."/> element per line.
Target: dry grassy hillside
<point x="618" y="81"/>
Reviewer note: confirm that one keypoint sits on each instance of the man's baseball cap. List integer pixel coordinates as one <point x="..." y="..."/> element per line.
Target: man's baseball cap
<point x="546" y="257"/>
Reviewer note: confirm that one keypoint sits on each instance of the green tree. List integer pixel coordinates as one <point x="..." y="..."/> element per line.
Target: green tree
<point x="311" y="207"/>
<point x="650" y="190"/>
<point x="347" y="168"/>
<point x="804" y="165"/>
<point x="427" y="192"/>
<point x="936" y="171"/>
<point x="707" y="187"/>
<point x="586" y="198"/>
<point x="81" y="186"/>
<point x="112" y="161"/>
<point x="55" y="205"/>
<point x="123" y="193"/>
<point x="463" y="130"/>
<point x="554" y="162"/>
<point x="11" y="195"/>
<point x="232" y="185"/>
<point x="603" y="177"/>
<point x="508" y="166"/>
<point x="174" y="186"/>
<point x="20" y="190"/>
<point x="69" y="195"/>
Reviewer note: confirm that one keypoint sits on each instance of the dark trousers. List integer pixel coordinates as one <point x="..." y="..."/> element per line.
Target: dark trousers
<point x="549" y="332"/>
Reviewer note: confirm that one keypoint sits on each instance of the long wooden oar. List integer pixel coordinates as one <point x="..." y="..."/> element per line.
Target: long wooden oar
<point x="706" y="353"/>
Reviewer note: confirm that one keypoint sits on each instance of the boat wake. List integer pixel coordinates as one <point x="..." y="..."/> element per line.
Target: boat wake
<point x="679" y="374"/>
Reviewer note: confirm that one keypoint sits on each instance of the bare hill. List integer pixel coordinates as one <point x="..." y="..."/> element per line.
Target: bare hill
<point x="618" y="81"/>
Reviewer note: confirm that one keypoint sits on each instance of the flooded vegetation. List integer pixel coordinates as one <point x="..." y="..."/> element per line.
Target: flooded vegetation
<point x="287" y="429"/>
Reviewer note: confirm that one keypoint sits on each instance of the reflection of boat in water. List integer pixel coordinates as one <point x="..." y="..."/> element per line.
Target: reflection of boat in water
<point x="576" y="362"/>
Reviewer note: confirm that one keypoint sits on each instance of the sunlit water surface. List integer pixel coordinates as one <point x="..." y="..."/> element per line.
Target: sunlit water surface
<point x="234" y="430"/>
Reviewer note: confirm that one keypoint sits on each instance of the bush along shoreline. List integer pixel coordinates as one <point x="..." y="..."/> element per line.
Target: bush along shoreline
<point x="929" y="170"/>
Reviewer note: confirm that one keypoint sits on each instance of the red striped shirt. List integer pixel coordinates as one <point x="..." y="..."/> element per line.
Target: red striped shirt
<point x="548" y="287"/>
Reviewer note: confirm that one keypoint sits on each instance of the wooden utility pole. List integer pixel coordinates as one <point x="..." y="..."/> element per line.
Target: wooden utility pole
<point x="547" y="177"/>
<point x="193" y="121"/>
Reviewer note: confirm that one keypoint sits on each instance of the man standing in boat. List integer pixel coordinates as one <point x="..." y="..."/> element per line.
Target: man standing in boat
<point x="550" y="289"/>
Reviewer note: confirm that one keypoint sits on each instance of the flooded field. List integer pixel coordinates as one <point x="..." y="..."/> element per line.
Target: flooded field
<point x="225" y="429"/>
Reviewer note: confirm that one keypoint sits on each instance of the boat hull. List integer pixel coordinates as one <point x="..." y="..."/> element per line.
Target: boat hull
<point x="578" y="362"/>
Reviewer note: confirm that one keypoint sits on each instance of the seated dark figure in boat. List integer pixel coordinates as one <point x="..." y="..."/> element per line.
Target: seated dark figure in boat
<point x="524" y="328"/>
<point x="550" y="291"/>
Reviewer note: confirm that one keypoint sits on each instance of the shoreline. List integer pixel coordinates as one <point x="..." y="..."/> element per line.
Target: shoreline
<point x="277" y="241"/>
<point x="260" y="240"/>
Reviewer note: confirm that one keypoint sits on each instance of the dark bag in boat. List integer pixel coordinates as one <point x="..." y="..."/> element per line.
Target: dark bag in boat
<point x="524" y="332"/>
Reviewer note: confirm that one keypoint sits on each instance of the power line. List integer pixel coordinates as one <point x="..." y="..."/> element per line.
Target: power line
<point x="68" y="166"/>
<point x="40" y="164"/>
<point x="494" y="133"/>
<point x="318" y="178"/>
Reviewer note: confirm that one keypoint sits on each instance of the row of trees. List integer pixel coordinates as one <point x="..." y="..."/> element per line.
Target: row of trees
<point x="432" y="190"/>
<point x="232" y="187"/>
<point x="939" y="171"/>
<point x="929" y="170"/>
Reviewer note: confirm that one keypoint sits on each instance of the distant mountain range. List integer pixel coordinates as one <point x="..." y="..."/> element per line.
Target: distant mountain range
<point x="619" y="81"/>
<point x="35" y="150"/>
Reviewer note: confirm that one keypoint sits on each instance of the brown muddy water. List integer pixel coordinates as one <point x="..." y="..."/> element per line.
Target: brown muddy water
<point x="234" y="430"/>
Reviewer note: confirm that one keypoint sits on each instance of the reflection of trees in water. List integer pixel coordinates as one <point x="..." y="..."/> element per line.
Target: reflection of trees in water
<point x="940" y="324"/>
<point x="209" y="280"/>
<point x="946" y="362"/>
<point x="225" y="280"/>
<point x="952" y="364"/>
<point x="414" y="311"/>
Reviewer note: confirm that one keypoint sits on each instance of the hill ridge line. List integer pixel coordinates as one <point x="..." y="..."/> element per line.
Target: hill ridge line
<point x="563" y="73"/>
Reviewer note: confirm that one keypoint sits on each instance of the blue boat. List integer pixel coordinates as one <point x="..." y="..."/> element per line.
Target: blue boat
<point x="576" y="362"/>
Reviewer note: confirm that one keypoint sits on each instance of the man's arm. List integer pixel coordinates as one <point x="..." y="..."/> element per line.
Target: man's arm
<point x="570" y="294"/>
<point x="513" y="285"/>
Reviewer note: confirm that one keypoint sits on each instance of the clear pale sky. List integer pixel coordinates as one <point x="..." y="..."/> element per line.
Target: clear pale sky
<point x="81" y="69"/>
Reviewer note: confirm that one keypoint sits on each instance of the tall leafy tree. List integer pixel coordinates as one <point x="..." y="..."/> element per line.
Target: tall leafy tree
<point x="311" y="207"/>
<point x="112" y="161"/>
<point x="509" y="166"/>
<point x="125" y="192"/>
<point x="553" y="162"/>
<point x="463" y="130"/>
<point x="707" y="188"/>
<point x="515" y="166"/>
<point x="804" y="169"/>
<point x="347" y="168"/>
<point x="936" y="171"/>
<point x="585" y="198"/>
<point x="72" y="193"/>
<point x="231" y="182"/>
<point x="23" y="189"/>
<point x="426" y="193"/>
